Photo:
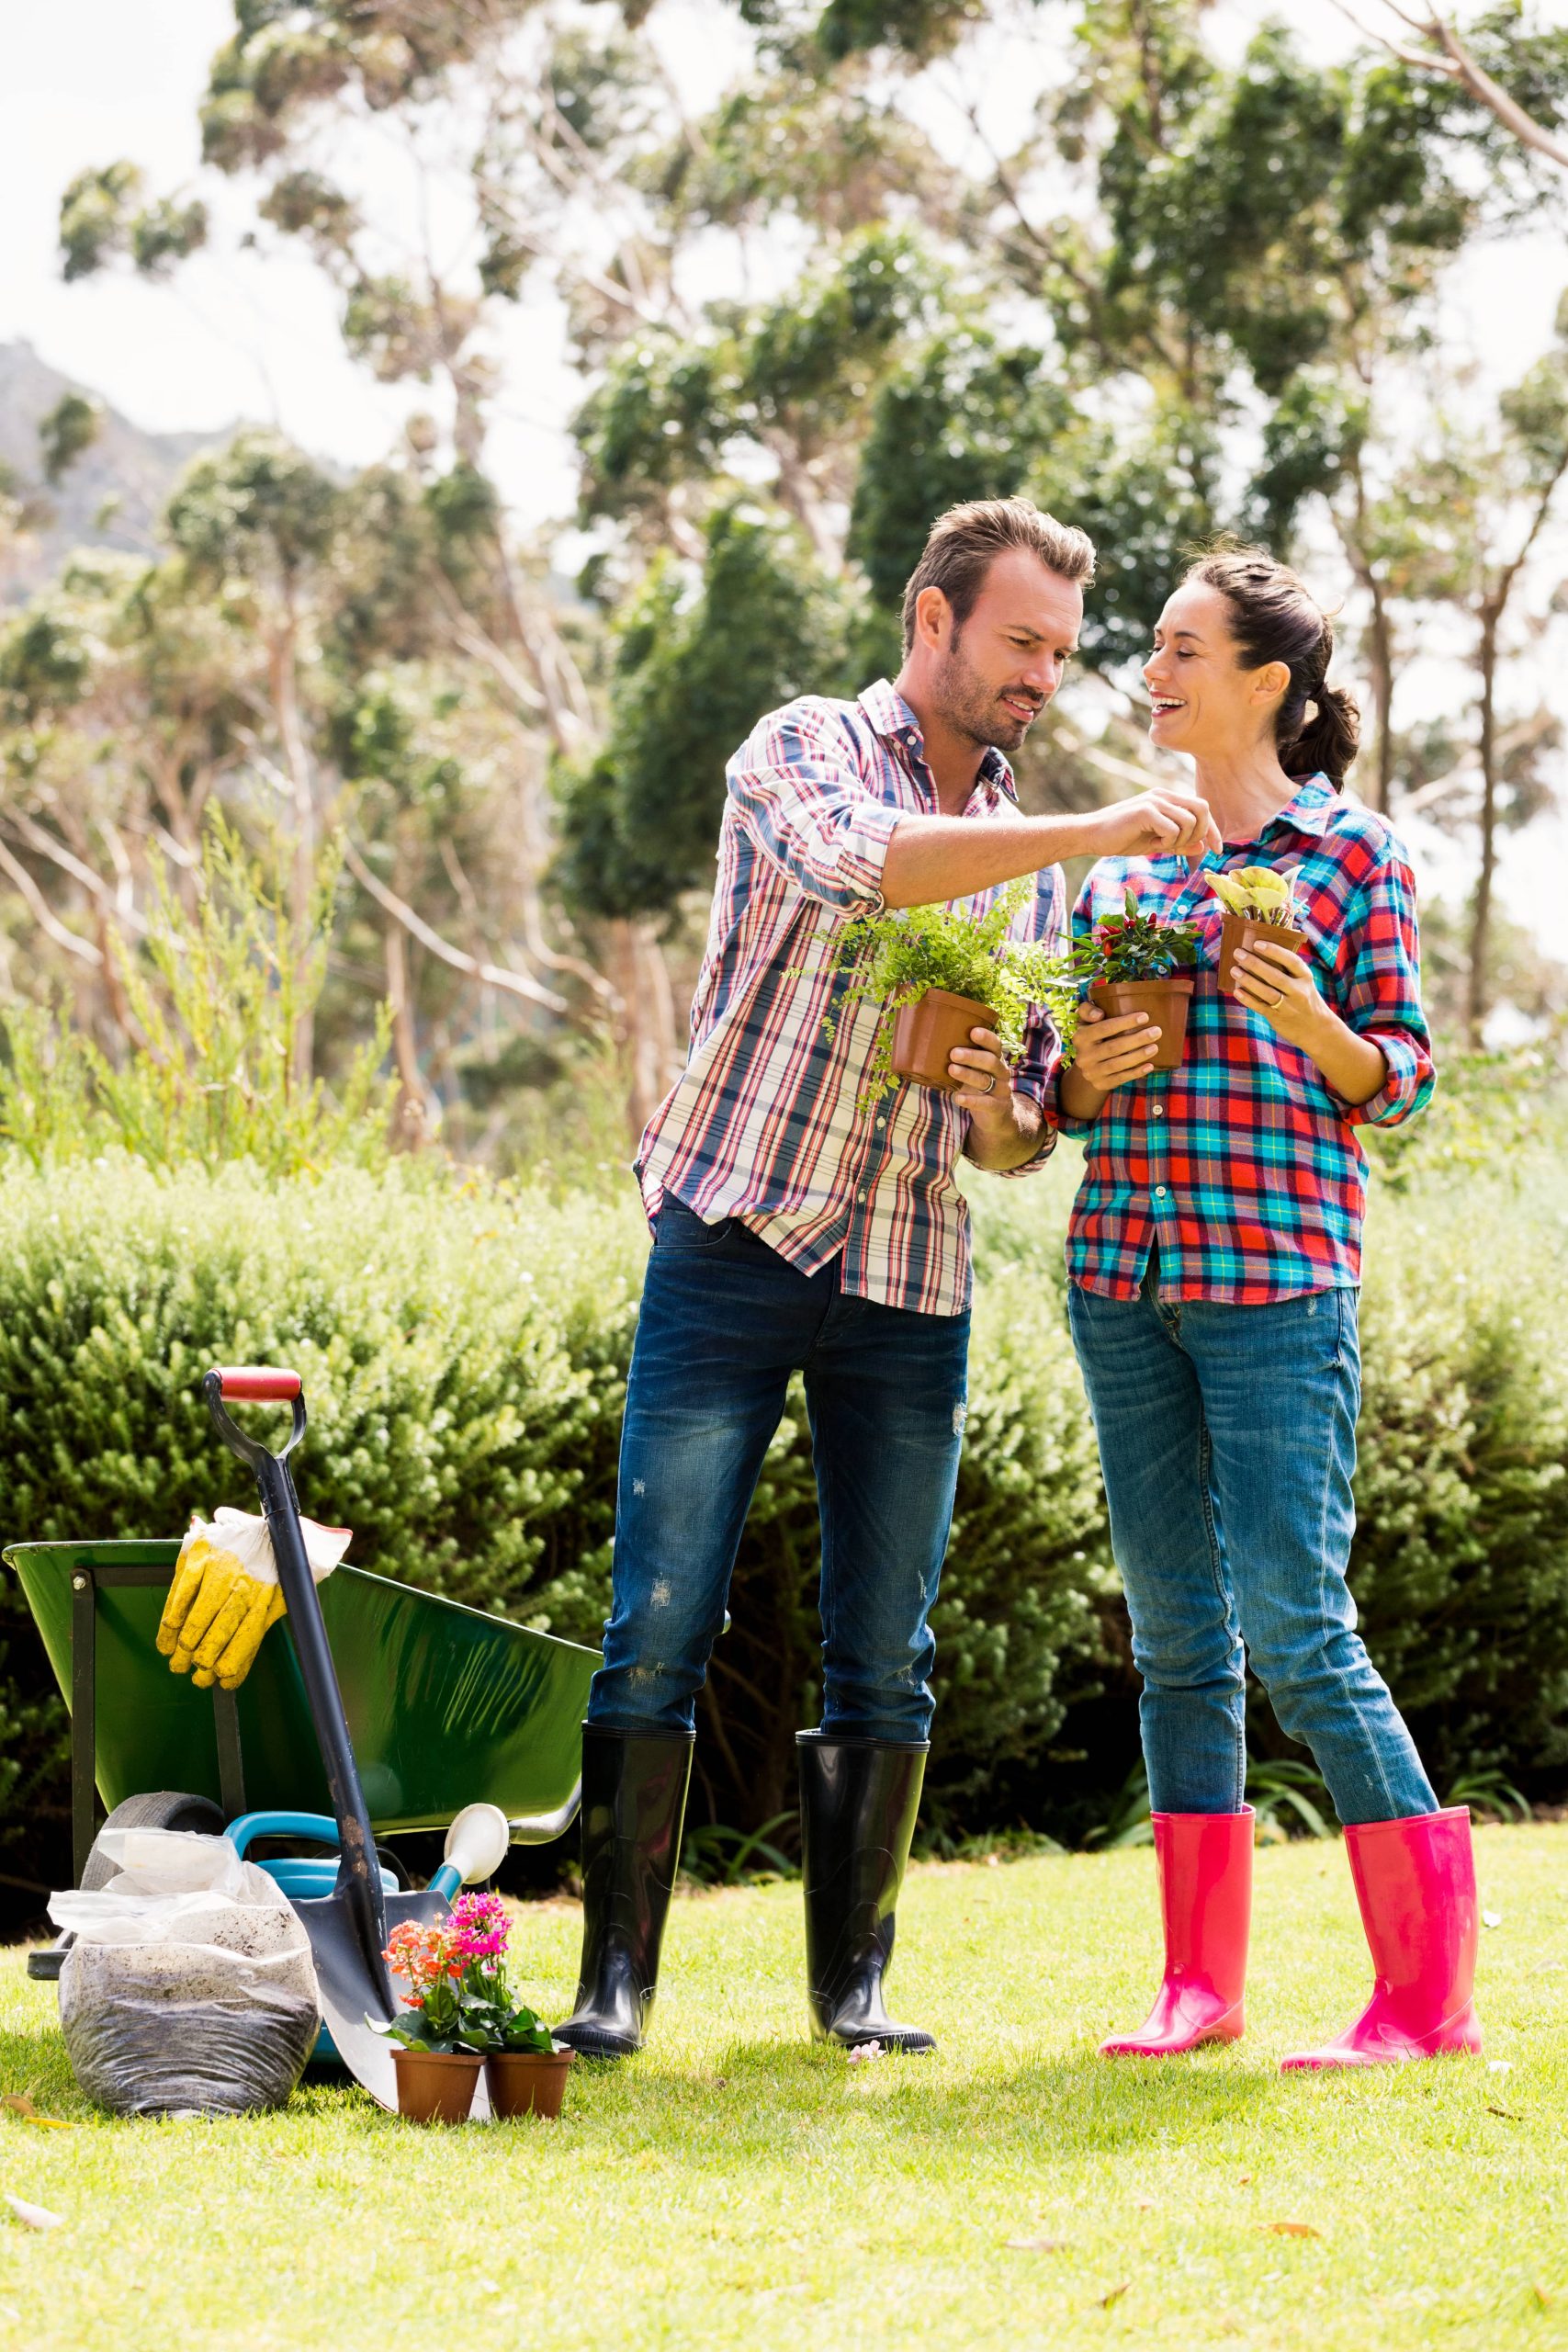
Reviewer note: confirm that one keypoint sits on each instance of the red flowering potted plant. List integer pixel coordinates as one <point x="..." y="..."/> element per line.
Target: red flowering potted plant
<point x="1138" y="963"/>
<point x="461" y="2014"/>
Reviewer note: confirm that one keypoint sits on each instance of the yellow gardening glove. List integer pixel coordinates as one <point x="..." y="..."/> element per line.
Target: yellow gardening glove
<point x="225" y="1594"/>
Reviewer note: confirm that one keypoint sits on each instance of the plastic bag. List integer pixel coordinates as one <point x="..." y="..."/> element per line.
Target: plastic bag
<point x="189" y="1988"/>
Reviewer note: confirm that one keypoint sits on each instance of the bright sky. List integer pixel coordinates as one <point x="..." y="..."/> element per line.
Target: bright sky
<point x="82" y="82"/>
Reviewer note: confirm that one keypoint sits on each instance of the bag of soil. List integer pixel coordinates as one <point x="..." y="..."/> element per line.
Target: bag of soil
<point x="189" y="1989"/>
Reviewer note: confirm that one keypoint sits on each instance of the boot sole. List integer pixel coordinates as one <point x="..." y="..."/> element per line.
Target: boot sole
<point x="1229" y="2028"/>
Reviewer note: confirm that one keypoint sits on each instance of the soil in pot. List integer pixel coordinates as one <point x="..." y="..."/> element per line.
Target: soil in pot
<point x="1164" y="1002"/>
<point x="527" y="2082"/>
<point x="436" y="2086"/>
<point x="1242" y="930"/>
<point x="925" y="1032"/>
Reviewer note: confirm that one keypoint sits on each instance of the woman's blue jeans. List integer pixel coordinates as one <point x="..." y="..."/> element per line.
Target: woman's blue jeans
<point x="1227" y="1439"/>
<point x="725" y="1321"/>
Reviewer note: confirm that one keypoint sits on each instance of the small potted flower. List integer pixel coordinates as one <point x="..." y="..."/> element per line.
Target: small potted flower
<point x="461" y="2014"/>
<point x="939" y="972"/>
<point x="1257" y="901"/>
<point x="1135" y="963"/>
<point x="525" y="2068"/>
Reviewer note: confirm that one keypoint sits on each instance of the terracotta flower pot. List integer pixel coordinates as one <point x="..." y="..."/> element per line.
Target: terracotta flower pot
<point x="1241" y="931"/>
<point x="527" y="2082"/>
<point x="436" y="2086"/>
<point x="1164" y="1002"/>
<point x="925" y="1032"/>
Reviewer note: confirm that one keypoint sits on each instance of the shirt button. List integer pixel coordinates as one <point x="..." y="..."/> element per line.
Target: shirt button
<point x="1156" y="1110"/>
<point x="1159" y="1192"/>
<point x="860" y="1196"/>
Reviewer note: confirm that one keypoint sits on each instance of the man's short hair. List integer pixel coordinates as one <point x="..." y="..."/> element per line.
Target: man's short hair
<point x="966" y="541"/>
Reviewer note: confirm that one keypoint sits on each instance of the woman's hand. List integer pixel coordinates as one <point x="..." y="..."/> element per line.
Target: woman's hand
<point x="1114" y="1049"/>
<point x="1276" y="983"/>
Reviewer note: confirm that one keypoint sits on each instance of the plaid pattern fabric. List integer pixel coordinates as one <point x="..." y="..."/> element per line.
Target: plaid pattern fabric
<point x="763" y="1123"/>
<point x="1242" y="1165"/>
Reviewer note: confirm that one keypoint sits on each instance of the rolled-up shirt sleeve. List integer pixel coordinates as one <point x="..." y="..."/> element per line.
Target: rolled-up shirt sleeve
<point x="1381" y="999"/>
<point x="799" y="794"/>
<point x="1057" y="1117"/>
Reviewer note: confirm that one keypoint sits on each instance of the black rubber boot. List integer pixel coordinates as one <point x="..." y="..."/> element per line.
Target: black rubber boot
<point x="858" y="1803"/>
<point x="633" y="1803"/>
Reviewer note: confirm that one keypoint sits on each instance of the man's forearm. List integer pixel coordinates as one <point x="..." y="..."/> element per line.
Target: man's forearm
<point x="931" y="859"/>
<point x="1012" y="1142"/>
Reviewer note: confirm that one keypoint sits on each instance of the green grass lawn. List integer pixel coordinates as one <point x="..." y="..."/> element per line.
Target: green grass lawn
<point x="736" y="2187"/>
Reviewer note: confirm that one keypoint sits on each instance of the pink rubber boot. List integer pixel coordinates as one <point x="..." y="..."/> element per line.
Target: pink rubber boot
<point x="1416" y="1884"/>
<point x="1205" y="1891"/>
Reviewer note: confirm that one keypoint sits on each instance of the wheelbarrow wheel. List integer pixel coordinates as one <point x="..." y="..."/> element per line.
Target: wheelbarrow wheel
<point x="156" y="1809"/>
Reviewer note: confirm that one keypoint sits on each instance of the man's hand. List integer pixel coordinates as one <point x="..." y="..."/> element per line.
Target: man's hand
<point x="1004" y="1127"/>
<point x="1165" y="820"/>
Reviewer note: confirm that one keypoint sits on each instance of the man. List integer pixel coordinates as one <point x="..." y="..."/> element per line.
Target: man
<point x="795" y="1231"/>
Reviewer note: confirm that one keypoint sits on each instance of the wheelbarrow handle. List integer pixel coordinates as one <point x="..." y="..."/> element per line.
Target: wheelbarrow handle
<point x="258" y="1383"/>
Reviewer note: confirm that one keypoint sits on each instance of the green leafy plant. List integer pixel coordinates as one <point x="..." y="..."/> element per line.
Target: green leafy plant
<point x="893" y="959"/>
<point x="1135" y="946"/>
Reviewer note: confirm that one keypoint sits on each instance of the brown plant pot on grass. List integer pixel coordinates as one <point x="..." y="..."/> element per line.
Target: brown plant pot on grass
<point x="527" y="2082"/>
<point x="925" y="1032"/>
<point x="1166" y="1003"/>
<point x="1246" y="930"/>
<point x="436" y="2086"/>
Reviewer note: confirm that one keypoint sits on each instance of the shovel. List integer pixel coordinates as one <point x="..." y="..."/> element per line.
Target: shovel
<point x="348" y="1928"/>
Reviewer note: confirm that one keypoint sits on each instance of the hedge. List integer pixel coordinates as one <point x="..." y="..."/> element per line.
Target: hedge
<point x="464" y="1351"/>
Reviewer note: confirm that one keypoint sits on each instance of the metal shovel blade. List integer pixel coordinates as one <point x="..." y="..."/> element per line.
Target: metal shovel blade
<point x="352" y="1991"/>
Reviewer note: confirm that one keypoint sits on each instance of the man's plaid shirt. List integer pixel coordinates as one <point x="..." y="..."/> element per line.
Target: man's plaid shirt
<point x="1242" y="1165"/>
<point x="763" y="1123"/>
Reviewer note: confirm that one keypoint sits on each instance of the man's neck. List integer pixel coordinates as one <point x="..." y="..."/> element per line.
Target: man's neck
<point x="953" y="758"/>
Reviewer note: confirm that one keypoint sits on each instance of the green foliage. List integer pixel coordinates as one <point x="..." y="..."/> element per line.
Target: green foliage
<point x="210" y="1079"/>
<point x="102" y="217"/>
<point x="892" y="959"/>
<point x="258" y="510"/>
<point x="693" y="673"/>
<point x="71" y="427"/>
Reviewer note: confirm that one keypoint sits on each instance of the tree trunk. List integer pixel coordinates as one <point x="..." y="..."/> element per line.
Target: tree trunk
<point x="302" y="878"/>
<point x="647" y="1025"/>
<point x="1481" y="917"/>
<point x="1379" y="661"/>
<point x="411" y="1121"/>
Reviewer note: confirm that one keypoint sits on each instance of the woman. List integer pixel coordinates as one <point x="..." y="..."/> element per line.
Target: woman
<point x="1214" y="1256"/>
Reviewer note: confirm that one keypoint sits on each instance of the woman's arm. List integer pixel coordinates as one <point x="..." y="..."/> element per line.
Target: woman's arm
<point x="1277" y="983"/>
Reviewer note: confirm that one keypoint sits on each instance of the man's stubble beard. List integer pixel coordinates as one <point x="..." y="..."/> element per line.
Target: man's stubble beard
<point x="974" y="709"/>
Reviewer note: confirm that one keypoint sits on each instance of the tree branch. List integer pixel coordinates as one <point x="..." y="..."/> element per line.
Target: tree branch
<point x="43" y="914"/>
<point x="1456" y="64"/>
<point x="495" y="976"/>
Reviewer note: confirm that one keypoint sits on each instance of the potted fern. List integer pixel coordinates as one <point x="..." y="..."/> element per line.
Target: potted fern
<point x="1257" y="902"/>
<point x="939" y="972"/>
<point x="1138" y="963"/>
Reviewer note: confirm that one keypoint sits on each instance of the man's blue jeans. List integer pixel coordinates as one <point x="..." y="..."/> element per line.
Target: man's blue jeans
<point x="724" y="1323"/>
<point x="1227" y="1438"/>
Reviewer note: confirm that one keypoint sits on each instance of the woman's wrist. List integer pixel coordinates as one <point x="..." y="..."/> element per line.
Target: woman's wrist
<point x="1079" y="1100"/>
<point x="1353" y="1066"/>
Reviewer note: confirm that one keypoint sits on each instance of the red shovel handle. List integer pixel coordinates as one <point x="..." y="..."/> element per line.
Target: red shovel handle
<point x="259" y="1384"/>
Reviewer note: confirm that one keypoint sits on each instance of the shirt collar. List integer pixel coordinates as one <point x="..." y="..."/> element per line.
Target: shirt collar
<point x="1311" y="809"/>
<point x="894" y="720"/>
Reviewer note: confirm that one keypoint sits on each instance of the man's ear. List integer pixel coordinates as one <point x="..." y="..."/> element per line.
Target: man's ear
<point x="933" y="617"/>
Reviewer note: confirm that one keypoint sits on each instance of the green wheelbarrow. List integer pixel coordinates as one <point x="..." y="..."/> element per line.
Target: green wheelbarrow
<point x="437" y="1708"/>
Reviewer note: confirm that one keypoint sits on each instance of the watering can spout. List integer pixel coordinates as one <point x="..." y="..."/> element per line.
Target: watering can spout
<point x="476" y="1843"/>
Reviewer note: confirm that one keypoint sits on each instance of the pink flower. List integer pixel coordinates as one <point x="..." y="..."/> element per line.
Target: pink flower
<point x="478" y="1928"/>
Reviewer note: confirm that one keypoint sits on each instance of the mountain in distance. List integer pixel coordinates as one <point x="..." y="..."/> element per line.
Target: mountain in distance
<point x="110" y="498"/>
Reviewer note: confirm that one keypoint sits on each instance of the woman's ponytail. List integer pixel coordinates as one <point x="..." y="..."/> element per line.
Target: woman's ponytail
<point x="1327" y="741"/>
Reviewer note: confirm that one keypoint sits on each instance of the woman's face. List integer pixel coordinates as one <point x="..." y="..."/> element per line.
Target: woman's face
<point x="1204" y="702"/>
